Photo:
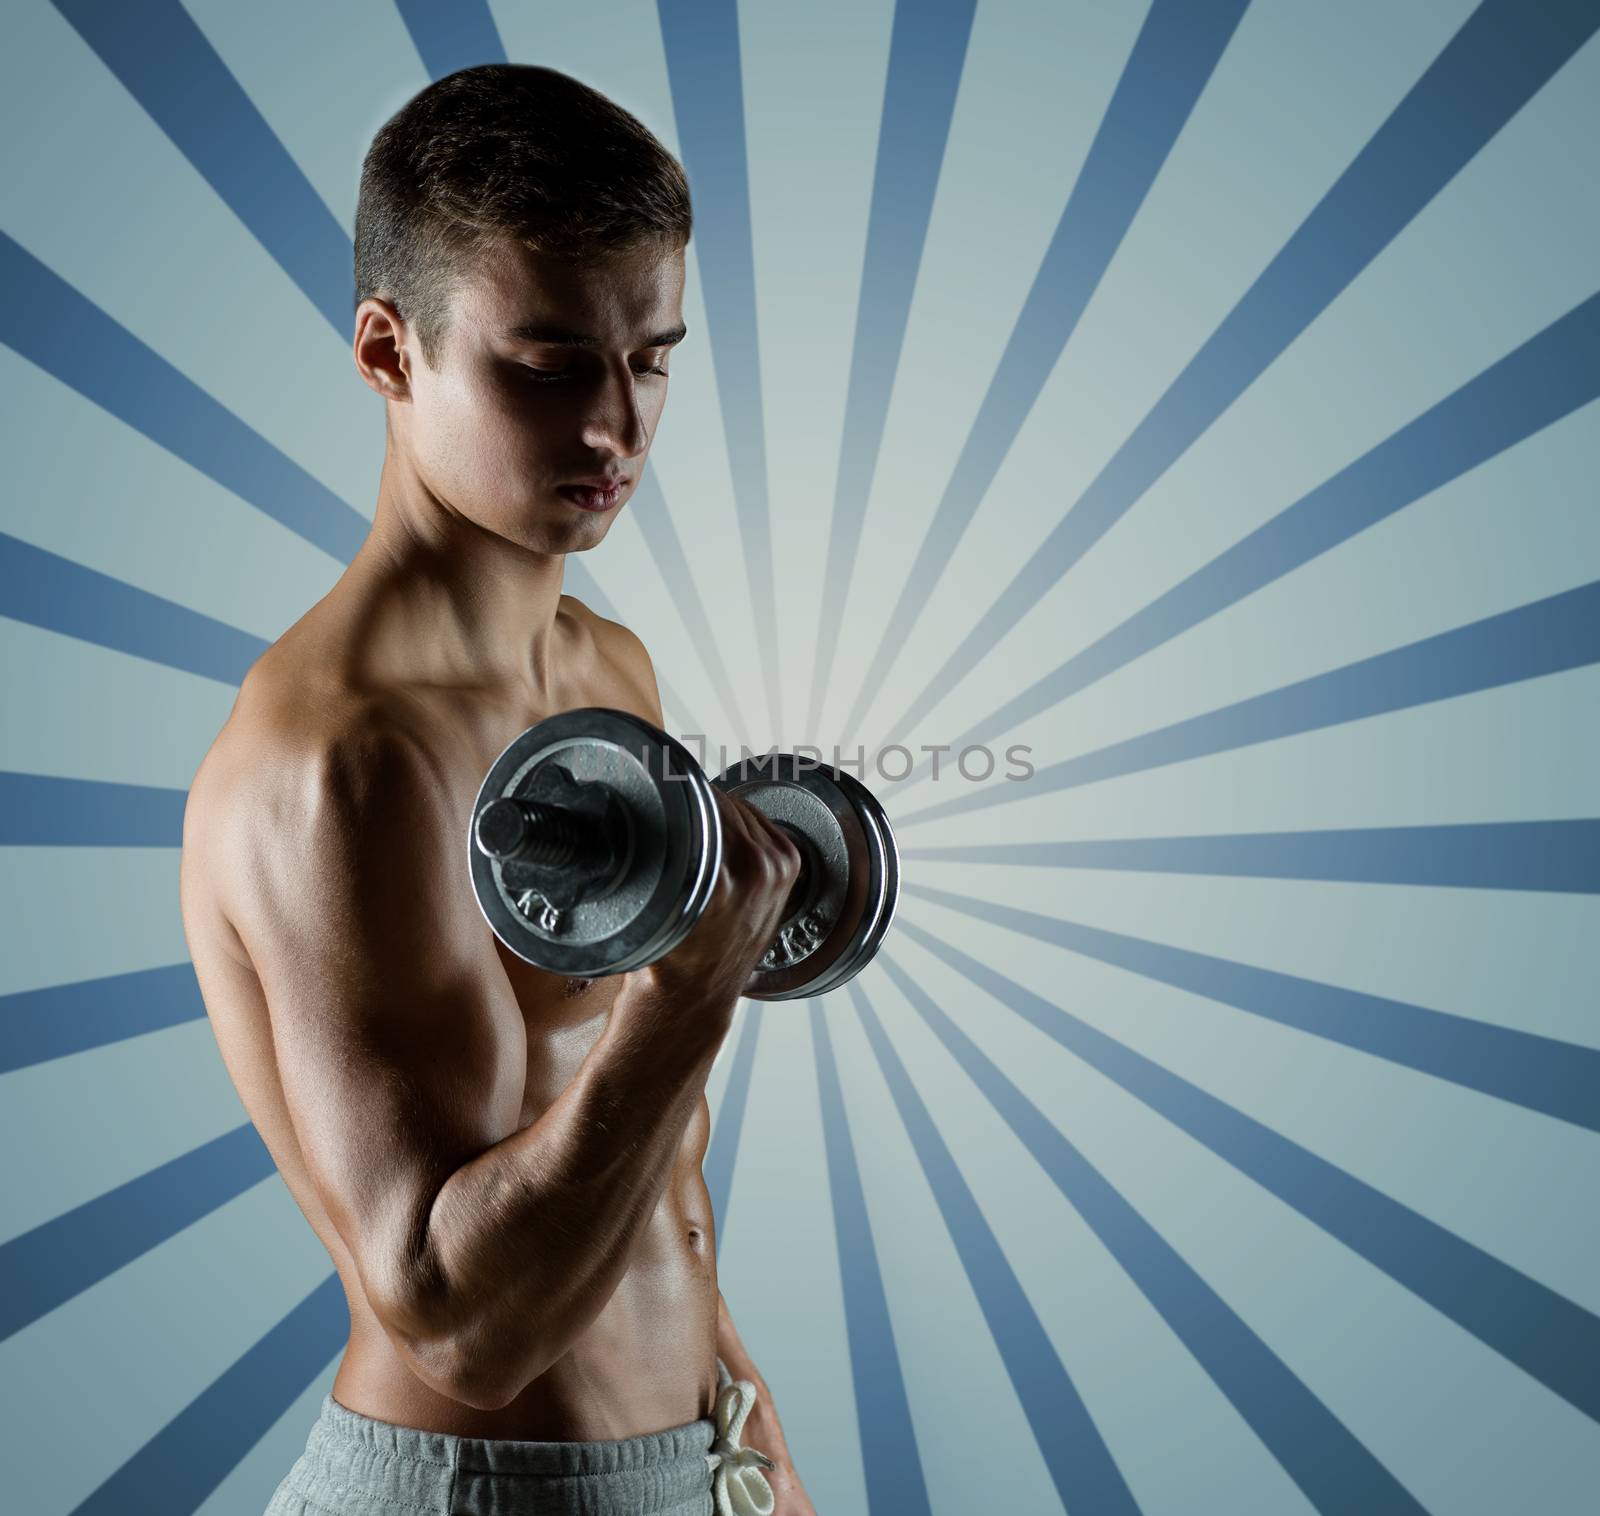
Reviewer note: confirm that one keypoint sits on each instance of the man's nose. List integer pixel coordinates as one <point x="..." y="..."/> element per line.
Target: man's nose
<point x="615" y="422"/>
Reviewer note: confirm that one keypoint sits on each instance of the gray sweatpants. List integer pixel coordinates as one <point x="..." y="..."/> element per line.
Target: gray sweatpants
<point x="355" y="1466"/>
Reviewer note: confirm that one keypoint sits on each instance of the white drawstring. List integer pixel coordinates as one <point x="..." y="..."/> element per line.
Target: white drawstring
<point x="738" y="1486"/>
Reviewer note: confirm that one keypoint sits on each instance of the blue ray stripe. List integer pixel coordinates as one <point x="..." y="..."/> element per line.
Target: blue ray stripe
<point x="1559" y="856"/>
<point x="165" y="62"/>
<point x="46" y="590"/>
<point x="649" y="509"/>
<point x="1085" y="1474"/>
<point x="75" y="1251"/>
<point x="1542" y="1332"/>
<point x="189" y="1457"/>
<point x="1547" y="636"/>
<point x="51" y="324"/>
<point x="581" y="583"/>
<point x="701" y="38"/>
<point x="1337" y="1472"/>
<point x="1499" y="59"/>
<point x="724" y="1145"/>
<point x="448" y="37"/>
<point x="927" y="50"/>
<point x="1548" y="377"/>
<point x="890" y="1460"/>
<point x="40" y="810"/>
<point x="60" y="1019"/>
<point x="1555" y="1078"/>
<point x="52" y="592"/>
<point x="1175" y="53"/>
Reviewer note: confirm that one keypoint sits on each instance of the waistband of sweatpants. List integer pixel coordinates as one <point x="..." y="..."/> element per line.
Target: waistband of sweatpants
<point x="433" y="1470"/>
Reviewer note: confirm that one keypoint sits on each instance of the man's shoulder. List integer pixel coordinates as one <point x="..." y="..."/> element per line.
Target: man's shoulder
<point x="292" y="733"/>
<point x="601" y="626"/>
<point x="614" y="641"/>
<point x="289" y="704"/>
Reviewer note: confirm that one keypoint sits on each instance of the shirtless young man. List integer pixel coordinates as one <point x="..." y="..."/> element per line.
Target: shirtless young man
<point x="504" y="1165"/>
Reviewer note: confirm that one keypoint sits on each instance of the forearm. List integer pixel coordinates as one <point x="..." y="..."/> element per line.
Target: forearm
<point x="763" y="1430"/>
<point x="528" y="1241"/>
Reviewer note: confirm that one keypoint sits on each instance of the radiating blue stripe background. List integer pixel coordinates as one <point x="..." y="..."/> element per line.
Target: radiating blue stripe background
<point x="1201" y="397"/>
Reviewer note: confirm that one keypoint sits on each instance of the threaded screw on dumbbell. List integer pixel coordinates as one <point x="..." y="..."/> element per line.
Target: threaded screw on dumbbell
<point x="530" y="831"/>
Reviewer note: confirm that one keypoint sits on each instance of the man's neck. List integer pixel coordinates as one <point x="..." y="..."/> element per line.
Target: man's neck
<point x="449" y="599"/>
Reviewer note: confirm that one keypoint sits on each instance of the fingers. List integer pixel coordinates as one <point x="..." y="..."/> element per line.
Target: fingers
<point x="758" y="856"/>
<point x="757" y="831"/>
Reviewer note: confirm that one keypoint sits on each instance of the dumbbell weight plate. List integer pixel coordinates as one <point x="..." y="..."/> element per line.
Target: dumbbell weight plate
<point x="665" y="879"/>
<point x="882" y="893"/>
<point x="853" y="872"/>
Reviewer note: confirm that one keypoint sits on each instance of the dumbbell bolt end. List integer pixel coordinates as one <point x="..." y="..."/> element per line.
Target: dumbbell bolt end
<point x="532" y="832"/>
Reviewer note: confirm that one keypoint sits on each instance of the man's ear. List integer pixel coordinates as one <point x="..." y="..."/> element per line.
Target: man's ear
<point x="381" y="353"/>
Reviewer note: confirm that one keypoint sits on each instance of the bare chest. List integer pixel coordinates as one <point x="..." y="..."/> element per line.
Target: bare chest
<point x="563" y="1017"/>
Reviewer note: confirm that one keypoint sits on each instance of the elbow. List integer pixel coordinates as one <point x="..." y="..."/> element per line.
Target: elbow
<point x="470" y="1386"/>
<point x="456" y="1339"/>
<point x="468" y="1361"/>
<point x="488" y="1369"/>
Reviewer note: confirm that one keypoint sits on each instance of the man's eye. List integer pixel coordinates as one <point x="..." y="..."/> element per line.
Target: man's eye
<point x="548" y="375"/>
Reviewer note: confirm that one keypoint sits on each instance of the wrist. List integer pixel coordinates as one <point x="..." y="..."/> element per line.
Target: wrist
<point x="658" y="991"/>
<point x="651" y="1028"/>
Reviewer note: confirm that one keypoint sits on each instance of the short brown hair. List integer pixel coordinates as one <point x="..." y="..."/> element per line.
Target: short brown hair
<point x="506" y="150"/>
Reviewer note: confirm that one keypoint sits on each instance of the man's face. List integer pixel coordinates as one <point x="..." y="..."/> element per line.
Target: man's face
<point x="518" y="408"/>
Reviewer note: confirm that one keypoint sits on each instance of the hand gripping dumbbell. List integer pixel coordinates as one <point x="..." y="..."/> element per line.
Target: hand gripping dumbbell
<point x="595" y="842"/>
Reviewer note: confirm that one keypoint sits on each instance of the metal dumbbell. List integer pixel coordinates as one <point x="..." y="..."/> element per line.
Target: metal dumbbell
<point x="595" y="842"/>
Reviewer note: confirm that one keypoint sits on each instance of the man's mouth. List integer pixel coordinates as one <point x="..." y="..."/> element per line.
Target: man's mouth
<point x="589" y="498"/>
